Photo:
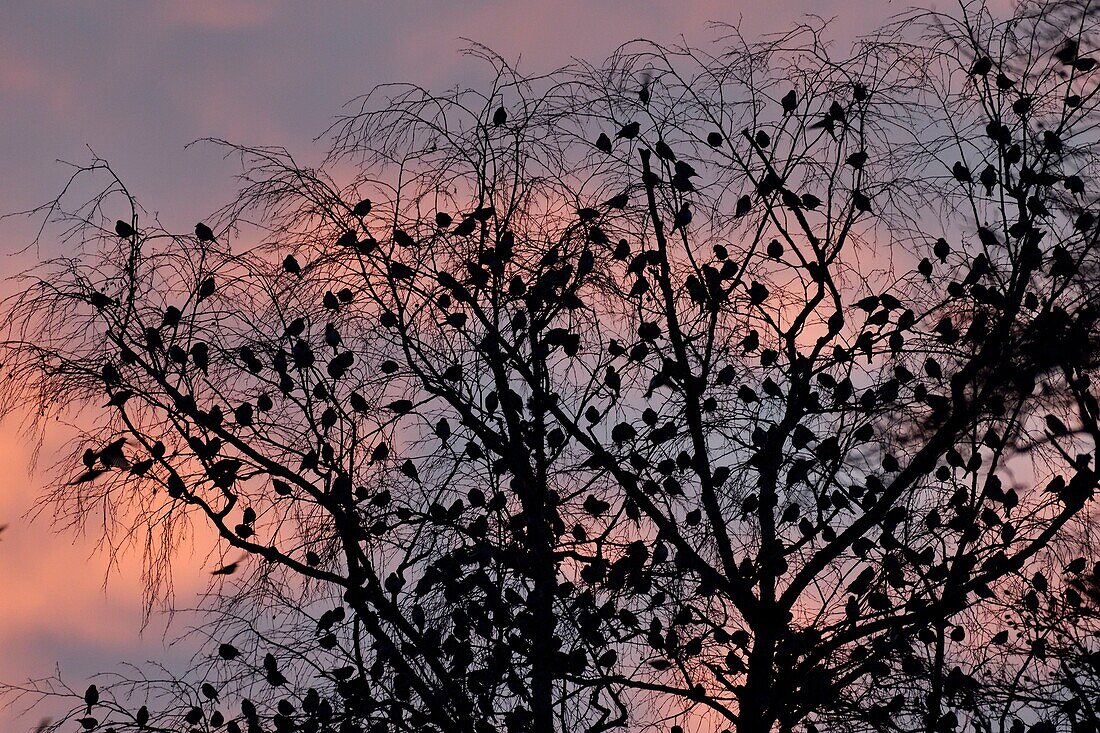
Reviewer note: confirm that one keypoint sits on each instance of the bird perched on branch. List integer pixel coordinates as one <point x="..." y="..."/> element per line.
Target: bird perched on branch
<point x="682" y="218"/>
<point x="109" y="456"/>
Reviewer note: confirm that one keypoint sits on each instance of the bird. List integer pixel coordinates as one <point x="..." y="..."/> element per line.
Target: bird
<point x="982" y="66"/>
<point x="714" y="139"/>
<point x="466" y="227"/>
<point x="603" y="143"/>
<point x="618" y="202"/>
<point x="443" y="429"/>
<point x="500" y="117"/>
<point x="91" y="697"/>
<point x="860" y="201"/>
<point x="290" y="264"/>
<point x="685" y="170"/>
<point x="789" y="102"/>
<point x="961" y="172"/>
<point x="123" y="229"/>
<point x="362" y="208"/>
<point x="227" y="569"/>
<point x="90" y="475"/>
<point x="119" y="398"/>
<point x="857" y="159"/>
<point x="595" y="506"/>
<point x="826" y="123"/>
<point x="207" y="288"/>
<point x="988" y="178"/>
<point x="1067" y="54"/>
<point x="941" y="249"/>
<point x="394" y="583"/>
<point x="744" y="204"/>
<point x="203" y="233"/>
<point x="274" y="677"/>
<point x="758" y="293"/>
<point x="629" y="131"/>
<point x="925" y="269"/>
<point x="683" y="217"/>
<point x="111" y="455"/>
<point x="664" y="152"/>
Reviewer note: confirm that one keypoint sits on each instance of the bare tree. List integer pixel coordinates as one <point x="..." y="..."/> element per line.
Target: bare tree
<point x="733" y="388"/>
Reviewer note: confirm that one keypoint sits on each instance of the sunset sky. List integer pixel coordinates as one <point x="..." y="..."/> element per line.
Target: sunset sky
<point x="137" y="81"/>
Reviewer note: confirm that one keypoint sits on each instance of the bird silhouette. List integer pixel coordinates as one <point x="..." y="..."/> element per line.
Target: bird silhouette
<point x="91" y="698"/>
<point x="206" y="288"/>
<point x="683" y="217"/>
<point x="274" y="677"/>
<point x="466" y="227"/>
<point x="603" y="143"/>
<point x="119" y="398"/>
<point x="789" y="102"/>
<point x="629" y="131"/>
<point x="826" y="123"/>
<point x="744" y="205"/>
<point x="89" y="475"/>
<point x="924" y="267"/>
<point x="203" y="233"/>
<point x="227" y="569"/>
<point x="857" y="159"/>
<point x="861" y="202"/>
<point x="595" y="506"/>
<point x="982" y="66"/>
<point x="290" y="264"/>
<point x="123" y="229"/>
<point x="362" y="208"/>
<point x="111" y="454"/>
<point x="664" y="152"/>
<point x="500" y="117"/>
<point x="988" y="178"/>
<point x="758" y="293"/>
<point x="684" y="170"/>
<point x="617" y="202"/>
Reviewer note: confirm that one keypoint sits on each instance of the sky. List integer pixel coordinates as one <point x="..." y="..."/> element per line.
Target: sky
<point x="136" y="82"/>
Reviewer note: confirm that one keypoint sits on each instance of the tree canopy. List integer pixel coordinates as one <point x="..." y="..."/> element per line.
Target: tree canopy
<point x="743" y="387"/>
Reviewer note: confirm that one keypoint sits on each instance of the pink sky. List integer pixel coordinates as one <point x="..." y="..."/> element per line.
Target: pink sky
<point x="136" y="81"/>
